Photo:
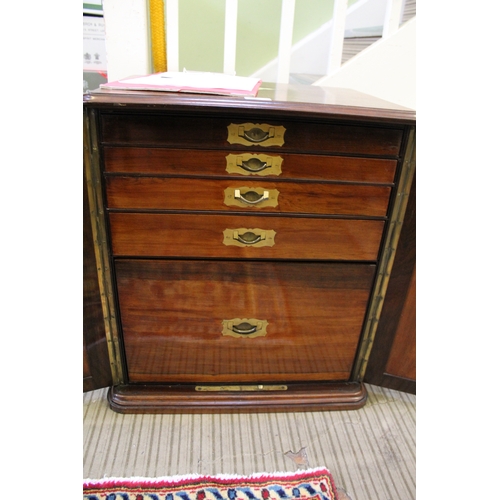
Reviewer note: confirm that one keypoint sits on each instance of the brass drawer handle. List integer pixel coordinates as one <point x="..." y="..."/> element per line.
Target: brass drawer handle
<point x="254" y="165"/>
<point x="249" y="238"/>
<point x="247" y="327"/>
<point x="243" y="237"/>
<point x="251" y="197"/>
<point x="256" y="134"/>
<point x="244" y="329"/>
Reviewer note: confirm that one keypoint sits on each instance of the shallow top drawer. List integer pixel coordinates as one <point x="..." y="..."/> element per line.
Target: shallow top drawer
<point x="229" y="133"/>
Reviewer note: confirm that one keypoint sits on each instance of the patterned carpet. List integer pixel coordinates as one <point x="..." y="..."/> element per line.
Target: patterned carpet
<point x="370" y="452"/>
<point x="313" y="484"/>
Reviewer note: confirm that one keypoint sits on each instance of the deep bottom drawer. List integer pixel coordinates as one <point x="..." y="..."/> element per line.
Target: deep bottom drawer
<point x="173" y="312"/>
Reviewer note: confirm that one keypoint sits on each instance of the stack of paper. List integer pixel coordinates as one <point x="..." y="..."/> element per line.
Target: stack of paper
<point x="190" y="81"/>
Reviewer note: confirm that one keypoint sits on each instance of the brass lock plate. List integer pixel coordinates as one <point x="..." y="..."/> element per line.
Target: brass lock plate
<point x="240" y="388"/>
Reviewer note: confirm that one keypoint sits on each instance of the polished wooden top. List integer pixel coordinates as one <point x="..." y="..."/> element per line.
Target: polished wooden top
<point x="284" y="98"/>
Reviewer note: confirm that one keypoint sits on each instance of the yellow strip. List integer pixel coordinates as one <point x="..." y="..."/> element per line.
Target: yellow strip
<point x="158" y="38"/>
<point x="240" y="388"/>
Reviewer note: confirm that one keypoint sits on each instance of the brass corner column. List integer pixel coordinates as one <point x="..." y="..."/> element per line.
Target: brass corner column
<point x="96" y="206"/>
<point x="387" y="260"/>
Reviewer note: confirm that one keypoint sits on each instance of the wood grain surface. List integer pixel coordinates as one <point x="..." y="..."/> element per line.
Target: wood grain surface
<point x="159" y="193"/>
<point x="204" y="132"/>
<point x="172" y="313"/>
<point x="194" y="235"/>
<point x="171" y="161"/>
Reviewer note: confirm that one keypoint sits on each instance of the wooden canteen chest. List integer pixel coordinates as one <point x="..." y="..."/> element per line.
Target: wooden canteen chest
<point x="244" y="246"/>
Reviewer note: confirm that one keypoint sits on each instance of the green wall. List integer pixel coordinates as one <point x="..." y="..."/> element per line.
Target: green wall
<point x="201" y="27"/>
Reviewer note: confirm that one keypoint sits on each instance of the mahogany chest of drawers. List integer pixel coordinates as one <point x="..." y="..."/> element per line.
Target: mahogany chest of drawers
<point x="243" y="246"/>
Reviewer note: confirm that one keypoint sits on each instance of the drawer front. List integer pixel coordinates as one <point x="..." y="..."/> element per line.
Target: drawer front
<point x="248" y="237"/>
<point x="173" y="315"/>
<point x="222" y="163"/>
<point x="204" y="132"/>
<point x="210" y="194"/>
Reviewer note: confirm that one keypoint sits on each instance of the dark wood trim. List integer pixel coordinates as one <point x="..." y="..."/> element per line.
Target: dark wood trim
<point x="398" y="383"/>
<point x="291" y="100"/>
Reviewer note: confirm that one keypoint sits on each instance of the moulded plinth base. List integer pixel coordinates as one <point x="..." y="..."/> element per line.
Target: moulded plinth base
<point x="145" y="398"/>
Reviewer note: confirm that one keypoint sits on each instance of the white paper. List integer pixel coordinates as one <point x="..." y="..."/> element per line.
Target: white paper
<point x="197" y="80"/>
<point x="94" y="45"/>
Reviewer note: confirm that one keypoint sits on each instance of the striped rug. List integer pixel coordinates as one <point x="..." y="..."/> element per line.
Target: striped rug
<point x="370" y="452"/>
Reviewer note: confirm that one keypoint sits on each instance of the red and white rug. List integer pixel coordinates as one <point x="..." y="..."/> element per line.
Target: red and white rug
<point x="312" y="484"/>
